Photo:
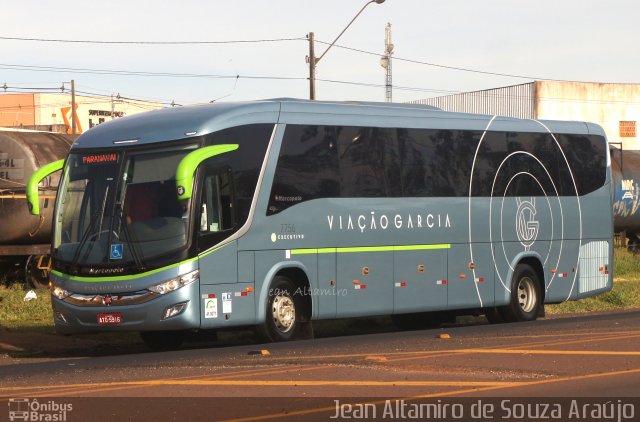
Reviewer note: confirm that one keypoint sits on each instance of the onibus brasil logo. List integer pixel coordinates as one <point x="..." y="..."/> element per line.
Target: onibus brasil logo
<point x="34" y="410"/>
<point x="526" y="225"/>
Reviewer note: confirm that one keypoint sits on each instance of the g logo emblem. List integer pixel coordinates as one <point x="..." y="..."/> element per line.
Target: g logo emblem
<point x="180" y="190"/>
<point x="526" y="225"/>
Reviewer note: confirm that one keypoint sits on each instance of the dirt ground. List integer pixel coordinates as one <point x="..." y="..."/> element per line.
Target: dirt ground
<point x="18" y="346"/>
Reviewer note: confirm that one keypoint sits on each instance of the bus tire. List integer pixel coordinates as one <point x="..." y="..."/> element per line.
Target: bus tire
<point x="526" y="296"/>
<point x="163" y="340"/>
<point x="284" y="312"/>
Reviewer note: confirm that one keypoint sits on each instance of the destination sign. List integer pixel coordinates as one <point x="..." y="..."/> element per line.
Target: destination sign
<point x="100" y="158"/>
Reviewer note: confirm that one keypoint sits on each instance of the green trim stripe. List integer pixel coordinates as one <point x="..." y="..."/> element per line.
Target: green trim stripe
<point x="421" y="247"/>
<point x="293" y="252"/>
<point x="121" y="277"/>
<point x="371" y="249"/>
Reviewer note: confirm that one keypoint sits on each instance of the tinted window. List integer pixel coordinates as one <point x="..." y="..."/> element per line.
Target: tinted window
<point x="517" y="164"/>
<point x="359" y="162"/>
<point x="369" y="162"/>
<point x="436" y="162"/>
<point x="532" y="164"/>
<point x="587" y="158"/>
<point x="307" y="167"/>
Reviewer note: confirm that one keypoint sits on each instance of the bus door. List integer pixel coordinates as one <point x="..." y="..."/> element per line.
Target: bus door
<point x="225" y="300"/>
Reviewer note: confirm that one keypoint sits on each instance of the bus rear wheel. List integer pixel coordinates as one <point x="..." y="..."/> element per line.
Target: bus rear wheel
<point x="284" y="312"/>
<point x="526" y="296"/>
<point x="163" y="340"/>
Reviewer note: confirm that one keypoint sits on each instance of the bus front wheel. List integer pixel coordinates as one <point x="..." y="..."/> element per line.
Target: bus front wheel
<point x="284" y="312"/>
<point x="526" y="296"/>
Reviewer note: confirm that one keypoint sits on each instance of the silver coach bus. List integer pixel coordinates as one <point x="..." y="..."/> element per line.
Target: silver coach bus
<point x="279" y="212"/>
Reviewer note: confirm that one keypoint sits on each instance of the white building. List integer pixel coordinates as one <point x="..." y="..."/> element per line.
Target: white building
<point x="615" y="107"/>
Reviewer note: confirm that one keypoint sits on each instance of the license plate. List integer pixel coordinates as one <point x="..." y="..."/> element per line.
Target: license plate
<point x="109" y="319"/>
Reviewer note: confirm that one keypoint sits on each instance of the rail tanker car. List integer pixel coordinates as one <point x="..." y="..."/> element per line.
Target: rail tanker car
<point x="25" y="240"/>
<point x="625" y="169"/>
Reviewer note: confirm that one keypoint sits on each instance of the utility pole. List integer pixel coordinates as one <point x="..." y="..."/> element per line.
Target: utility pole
<point x="385" y="62"/>
<point x="73" y="107"/>
<point x="313" y="60"/>
<point x="312" y="67"/>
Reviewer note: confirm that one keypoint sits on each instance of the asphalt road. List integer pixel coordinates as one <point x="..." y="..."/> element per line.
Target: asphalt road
<point x="581" y="356"/>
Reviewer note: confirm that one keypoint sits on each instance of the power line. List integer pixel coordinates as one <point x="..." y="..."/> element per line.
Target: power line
<point x="484" y="93"/>
<point x="24" y="88"/>
<point x="462" y="69"/>
<point x="34" y="68"/>
<point x="441" y="66"/>
<point x="274" y="40"/>
<point x="404" y="88"/>
<point x="57" y="40"/>
<point x="151" y="103"/>
<point x="253" y="41"/>
<point x="480" y="94"/>
<point x="136" y="97"/>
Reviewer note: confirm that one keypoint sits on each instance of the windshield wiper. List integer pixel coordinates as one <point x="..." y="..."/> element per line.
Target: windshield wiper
<point x="87" y="233"/>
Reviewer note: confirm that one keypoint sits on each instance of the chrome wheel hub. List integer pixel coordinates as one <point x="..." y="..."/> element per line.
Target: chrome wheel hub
<point x="527" y="297"/>
<point x="283" y="312"/>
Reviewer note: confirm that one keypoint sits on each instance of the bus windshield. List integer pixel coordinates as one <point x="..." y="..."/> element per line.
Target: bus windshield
<point x="120" y="208"/>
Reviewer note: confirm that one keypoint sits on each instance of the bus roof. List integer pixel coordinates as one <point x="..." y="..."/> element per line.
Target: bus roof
<point x="192" y="121"/>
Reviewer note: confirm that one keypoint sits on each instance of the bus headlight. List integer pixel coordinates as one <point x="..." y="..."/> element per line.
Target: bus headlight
<point x="59" y="292"/>
<point x="175" y="283"/>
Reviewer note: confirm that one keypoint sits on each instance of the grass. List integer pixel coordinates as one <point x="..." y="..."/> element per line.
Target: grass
<point x="36" y="315"/>
<point x="624" y="295"/>
<point x="627" y="265"/>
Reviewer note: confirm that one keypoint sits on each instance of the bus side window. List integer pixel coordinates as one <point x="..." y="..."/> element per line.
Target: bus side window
<point x="217" y="210"/>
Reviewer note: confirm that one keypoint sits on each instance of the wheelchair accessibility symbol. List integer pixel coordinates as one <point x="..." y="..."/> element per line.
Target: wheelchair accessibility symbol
<point x="116" y="251"/>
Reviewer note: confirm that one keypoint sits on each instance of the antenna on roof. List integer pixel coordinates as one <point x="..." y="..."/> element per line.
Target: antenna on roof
<point x="385" y="61"/>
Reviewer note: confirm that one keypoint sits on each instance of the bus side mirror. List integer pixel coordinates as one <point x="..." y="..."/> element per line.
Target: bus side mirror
<point x="33" y="201"/>
<point x="189" y="164"/>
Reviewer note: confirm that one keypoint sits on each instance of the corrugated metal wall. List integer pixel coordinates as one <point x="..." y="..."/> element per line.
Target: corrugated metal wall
<point x="513" y="101"/>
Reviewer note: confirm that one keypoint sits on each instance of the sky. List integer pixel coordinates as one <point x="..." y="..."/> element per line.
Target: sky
<point x="582" y="40"/>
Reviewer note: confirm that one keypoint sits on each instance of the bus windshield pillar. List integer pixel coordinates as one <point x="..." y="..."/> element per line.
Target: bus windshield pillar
<point x="187" y="167"/>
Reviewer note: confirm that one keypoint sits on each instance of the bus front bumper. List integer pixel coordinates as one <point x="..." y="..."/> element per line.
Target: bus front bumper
<point x="152" y="315"/>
